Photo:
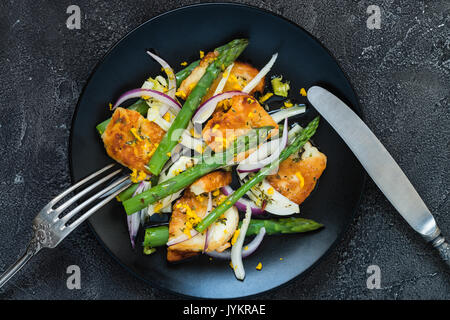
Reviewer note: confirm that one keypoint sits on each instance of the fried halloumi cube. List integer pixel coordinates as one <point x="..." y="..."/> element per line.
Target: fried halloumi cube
<point x="210" y="182"/>
<point x="131" y="139"/>
<point x="190" y="209"/>
<point x="240" y="75"/>
<point x="235" y="118"/>
<point x="297" y="175"/>
<point x="191" y="81"/>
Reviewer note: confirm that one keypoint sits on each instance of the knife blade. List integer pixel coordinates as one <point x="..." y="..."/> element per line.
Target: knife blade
<point x="380" y="166"/>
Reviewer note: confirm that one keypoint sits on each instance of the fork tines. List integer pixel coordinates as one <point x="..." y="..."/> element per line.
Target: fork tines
<point x="63" y="223"/>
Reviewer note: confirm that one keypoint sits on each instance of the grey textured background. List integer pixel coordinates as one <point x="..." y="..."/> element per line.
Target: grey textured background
<point x="401" y="74"/>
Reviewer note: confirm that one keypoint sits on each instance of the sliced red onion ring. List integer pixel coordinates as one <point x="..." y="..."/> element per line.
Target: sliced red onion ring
<point x="134" y="219"/>
<point x="263" y="151"/>
<point x="254" y="82"/>
<point x="207" y="108"/>
<point x="242" y="203"/>
<point x="251" y="247"/>
<point x="208" y="210"/>
<point x="252" y="167"/>
<point x="181" y="238"/>
<point x="268" y="147"/>
<point x="137" y="93"/>
<point x="170" y="74"/>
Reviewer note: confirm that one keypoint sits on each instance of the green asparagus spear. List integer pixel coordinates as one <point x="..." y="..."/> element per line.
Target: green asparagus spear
<point x="127" y="193"/>
<point x="185" y="178"/>
<point x="158" y="236"/>
<point x="282" y="225"/>
<point x="169" y="186"/>
<point x="298" y="142"/>
<point x="230" y="52"/>
<point x="183" y="74"/>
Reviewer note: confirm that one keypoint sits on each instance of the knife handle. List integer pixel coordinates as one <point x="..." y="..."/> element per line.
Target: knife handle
<point x="444" y="249"/>
<point x="438" y="241"/>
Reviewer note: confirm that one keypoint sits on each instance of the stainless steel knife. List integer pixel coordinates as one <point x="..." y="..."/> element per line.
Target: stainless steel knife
<point x="380" y="166"/>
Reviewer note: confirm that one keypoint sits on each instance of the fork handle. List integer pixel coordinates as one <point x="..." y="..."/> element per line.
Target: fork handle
<point x="32" y="249"/>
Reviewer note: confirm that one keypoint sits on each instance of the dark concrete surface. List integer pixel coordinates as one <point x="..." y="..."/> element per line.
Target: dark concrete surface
<point x="400" y="72"/>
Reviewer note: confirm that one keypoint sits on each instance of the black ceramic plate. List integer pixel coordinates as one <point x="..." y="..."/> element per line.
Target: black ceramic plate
<point x="178" y="36"/>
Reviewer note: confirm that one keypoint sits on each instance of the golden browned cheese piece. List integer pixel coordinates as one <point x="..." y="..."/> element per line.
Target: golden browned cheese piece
<point x="131" y="139"/>
<point x="178" y="255"/>
<point x="191" y="81"/>
<point x="210" y="182"/>
<point x="220" y="232"/>
<point x="178" y="218"/>
<point x="240" y="75"/>
<point x="242" y="114"/>
<point x="308" y="167"/>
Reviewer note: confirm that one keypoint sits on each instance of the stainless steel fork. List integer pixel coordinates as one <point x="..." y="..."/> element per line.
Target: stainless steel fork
<point x="51" y="226"/>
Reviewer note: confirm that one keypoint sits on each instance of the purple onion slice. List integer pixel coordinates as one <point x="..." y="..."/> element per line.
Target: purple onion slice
<point x="248" y="249"/>
<point x="134" y="220"/>
<point x="181" y="238"/>
<point x="137" y="93"/>
<point x="242" y="203"/>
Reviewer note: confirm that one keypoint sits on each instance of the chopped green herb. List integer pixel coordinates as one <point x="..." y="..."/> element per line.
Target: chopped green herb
<point x="280" y="88"/>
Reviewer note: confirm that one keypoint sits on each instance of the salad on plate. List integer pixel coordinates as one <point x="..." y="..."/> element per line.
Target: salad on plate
<point x="189" y="136"/>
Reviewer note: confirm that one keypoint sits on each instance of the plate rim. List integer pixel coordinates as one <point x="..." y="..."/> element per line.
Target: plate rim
<point x="356" y="106"/>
